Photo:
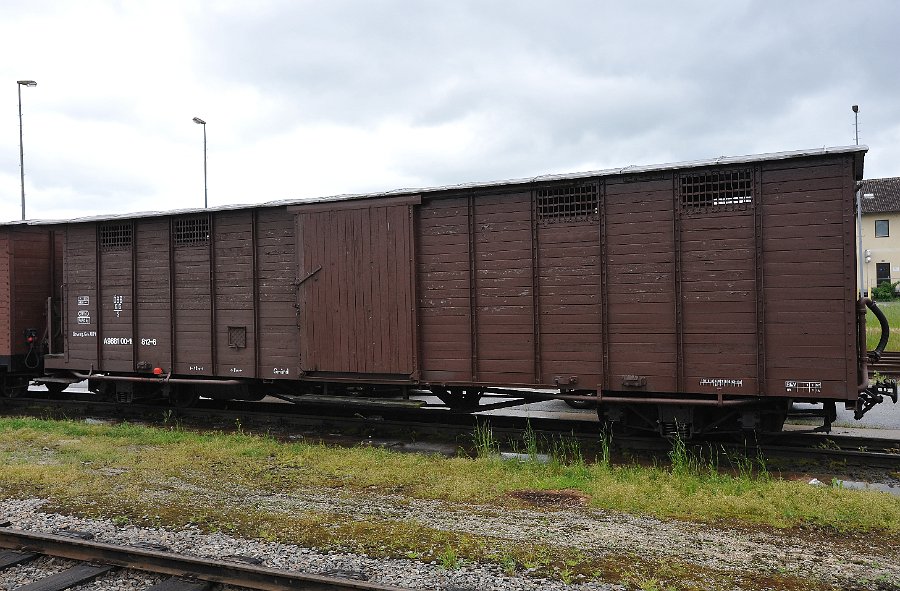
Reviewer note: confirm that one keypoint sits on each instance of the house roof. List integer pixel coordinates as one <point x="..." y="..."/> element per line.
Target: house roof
<point x="885" y="192"/>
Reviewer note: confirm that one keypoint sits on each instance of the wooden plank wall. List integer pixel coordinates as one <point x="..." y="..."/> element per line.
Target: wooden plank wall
<point x="504" y="304"/>
<point x="27" y="265"/>
<point x="156" y="303"/>
<point x="810" y="282"/>
<point x="5" y="295"/>
<point x="357" y="303"/>
<point x="641" y="283"/>
<point x="504" y="301"/>
<point x="276" y="254"/>
<point x="234" y="289"/>
<point x="80" y="268"/>
<point x="192" y="297"/>
<point x="755" y="296"/>
<point x="445" y="290"/>
<point x="569" y="292"/>
<point x="718" y="300"/>
<point x="31" y="251"/>
<point x="153" y="292"/>
<point x="116" y="308"/>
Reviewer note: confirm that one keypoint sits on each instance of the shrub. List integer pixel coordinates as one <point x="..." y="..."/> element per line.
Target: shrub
<point x="885" y="291"/>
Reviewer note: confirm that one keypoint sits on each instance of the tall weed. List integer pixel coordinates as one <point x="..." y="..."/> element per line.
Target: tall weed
<point x="483" y="439"/>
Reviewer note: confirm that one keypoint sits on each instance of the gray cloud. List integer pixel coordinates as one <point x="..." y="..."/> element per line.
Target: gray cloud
<point x="435" y="92"/>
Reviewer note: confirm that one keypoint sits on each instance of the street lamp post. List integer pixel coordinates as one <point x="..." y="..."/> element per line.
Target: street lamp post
<point x="20" y="84"/>
<point x="200" y="121"/>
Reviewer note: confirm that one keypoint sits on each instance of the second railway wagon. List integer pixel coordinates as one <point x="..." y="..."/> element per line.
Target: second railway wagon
<point x="689" y="297"/>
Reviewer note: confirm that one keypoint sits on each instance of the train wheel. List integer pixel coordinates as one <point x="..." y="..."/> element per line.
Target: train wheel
<point x="14" y="387"/>
<point x="614" y="421"/>
<point x="182" y="396"/>
<point x="55" y="388"/>
<point x="581" y="403"/>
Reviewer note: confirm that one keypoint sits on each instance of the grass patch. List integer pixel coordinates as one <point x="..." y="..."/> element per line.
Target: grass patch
<point x="891" y="311"/>
<point x="230" y="483"/>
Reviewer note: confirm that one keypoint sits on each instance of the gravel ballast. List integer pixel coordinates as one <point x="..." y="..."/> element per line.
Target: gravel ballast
<point x="831" y="560"/>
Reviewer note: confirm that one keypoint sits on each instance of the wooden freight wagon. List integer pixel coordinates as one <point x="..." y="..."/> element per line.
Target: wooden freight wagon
<point x="30" y="265"/>
<point x="689" y="296"/>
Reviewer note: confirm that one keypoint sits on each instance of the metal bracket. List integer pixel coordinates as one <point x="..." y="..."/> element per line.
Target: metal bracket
<point x="633" y="381"/>
<point x="564" y="381"/>
<point x="300" y="282"/>
<point x="873" y="395"/>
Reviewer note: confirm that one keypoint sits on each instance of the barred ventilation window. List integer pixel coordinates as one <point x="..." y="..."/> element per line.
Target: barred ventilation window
<point x="568" y="204"/>
<point x="717" y="188"/>
<point x="115" y="237"/>
<point x="237" y="337"/>
<point x="192" y="231"/>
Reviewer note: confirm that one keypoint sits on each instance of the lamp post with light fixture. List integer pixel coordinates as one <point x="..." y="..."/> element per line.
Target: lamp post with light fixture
<point x="866" y="254"/>
<point x="200" y="121"/>
<point x="20" y="84"/>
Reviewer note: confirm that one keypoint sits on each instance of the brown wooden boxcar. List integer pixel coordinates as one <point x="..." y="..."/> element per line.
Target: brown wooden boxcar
<point x="29" y="268"/>
<point x="684" y="296"/>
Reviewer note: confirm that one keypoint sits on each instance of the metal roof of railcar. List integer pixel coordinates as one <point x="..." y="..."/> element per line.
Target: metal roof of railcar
<point x="630" y="169"/>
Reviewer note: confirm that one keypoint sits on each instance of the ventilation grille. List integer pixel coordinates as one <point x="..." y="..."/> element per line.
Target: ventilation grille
<point x="728" y="189"/>
<point x="568" y="204"/>
<point x="237" y="337"/>
<point x="115" y="237"/>
<point x="191" y="231"/>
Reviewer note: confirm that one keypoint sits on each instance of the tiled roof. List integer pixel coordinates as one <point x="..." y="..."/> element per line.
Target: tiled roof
<point x="886" y="195"/>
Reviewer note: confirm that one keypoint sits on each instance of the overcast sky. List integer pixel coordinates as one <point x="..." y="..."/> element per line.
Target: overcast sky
<point x="318" y="98"/>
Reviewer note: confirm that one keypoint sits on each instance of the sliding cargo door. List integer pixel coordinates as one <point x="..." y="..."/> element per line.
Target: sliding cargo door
<point x="355" y="290"/>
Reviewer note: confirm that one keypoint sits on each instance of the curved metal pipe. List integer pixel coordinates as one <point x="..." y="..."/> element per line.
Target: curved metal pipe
<point x="875" y="355"/>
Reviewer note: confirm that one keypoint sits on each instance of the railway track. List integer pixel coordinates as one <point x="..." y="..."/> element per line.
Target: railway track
<point x="872" y="452"/>
<point x="888" y="365"/>
<point x="183" y="573"/>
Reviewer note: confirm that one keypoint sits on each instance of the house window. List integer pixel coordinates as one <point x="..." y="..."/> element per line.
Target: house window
<point x="882" y="228"/>
<point x="883" y="273"/>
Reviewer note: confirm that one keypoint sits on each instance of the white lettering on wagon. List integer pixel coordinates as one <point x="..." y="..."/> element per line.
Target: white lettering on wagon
<point x="148" y="342"/>
<point x="84" y="300"/>
<point x="117" y="340"/>
<point x="84" y="317"/>
<point x="804" y="387"/>
<point x="84" y="333"/>
<point x="721" y="382"/>
<point x="281" y="371"/>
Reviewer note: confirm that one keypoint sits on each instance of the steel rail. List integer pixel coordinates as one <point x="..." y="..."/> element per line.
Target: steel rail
<point x="207" y="569"/>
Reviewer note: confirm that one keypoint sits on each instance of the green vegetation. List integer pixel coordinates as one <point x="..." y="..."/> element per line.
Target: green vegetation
<point x="891" y="311"/>
<point x="885" y="291"/>
<point x="257" y="486"/>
